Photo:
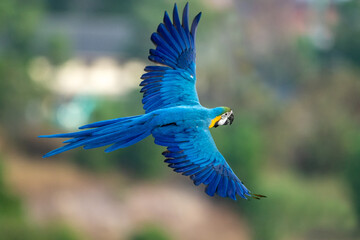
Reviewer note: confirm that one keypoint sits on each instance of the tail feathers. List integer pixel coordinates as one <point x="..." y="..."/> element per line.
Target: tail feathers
<point x="106" y="122"/>
<point x="69" y="135"/>
<point x="127" y="142"/>
<point x="121" y="132"/>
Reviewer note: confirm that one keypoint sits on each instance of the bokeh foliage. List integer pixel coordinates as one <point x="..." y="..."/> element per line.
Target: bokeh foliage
<point x="14" y="223"/>
<point x="295" y="136"/>
<point x="150" y="232"/>
<point x="17" y="28"/>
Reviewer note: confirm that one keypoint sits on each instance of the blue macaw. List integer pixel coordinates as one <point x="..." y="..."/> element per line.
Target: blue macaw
<point x="173" y="115"/>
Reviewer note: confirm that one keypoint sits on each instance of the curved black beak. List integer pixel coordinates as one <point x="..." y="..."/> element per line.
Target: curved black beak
<point x="231" y="118"/>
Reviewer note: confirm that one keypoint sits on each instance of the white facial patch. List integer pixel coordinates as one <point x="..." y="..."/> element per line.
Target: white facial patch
<point x="224" y="118"/>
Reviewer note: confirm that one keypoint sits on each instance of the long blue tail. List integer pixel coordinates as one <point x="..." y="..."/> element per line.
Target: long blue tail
<point x="121" y="132"/>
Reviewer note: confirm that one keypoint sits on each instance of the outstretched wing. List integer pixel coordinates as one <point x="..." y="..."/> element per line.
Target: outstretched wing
<point x="173" y="83"/>
<point x="192" y="152"/>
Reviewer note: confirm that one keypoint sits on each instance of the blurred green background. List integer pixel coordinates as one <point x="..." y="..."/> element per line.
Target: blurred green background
<point x="288" y="68"/>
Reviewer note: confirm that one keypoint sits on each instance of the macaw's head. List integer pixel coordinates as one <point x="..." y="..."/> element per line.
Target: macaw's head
<point x="225" y="118"/>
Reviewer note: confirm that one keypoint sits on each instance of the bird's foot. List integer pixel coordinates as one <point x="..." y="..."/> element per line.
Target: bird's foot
<point x="257" y="196"/>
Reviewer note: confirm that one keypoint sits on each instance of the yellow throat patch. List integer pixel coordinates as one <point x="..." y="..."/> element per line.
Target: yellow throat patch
<point x="215" y="120"/>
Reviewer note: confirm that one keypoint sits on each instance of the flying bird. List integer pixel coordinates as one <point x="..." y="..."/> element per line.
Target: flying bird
<point x="173" y="114"/>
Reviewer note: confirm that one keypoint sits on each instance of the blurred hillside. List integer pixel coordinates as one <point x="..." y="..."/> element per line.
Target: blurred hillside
<point x="288" y="68"/>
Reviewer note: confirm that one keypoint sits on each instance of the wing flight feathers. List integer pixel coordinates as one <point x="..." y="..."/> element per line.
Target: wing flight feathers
<point x="193" y="153"/>
<point x="173" y="83"/>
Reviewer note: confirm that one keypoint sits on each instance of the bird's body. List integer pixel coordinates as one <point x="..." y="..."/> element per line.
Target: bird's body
<point x="194" y="116"/>
<point x="173" y="115"/>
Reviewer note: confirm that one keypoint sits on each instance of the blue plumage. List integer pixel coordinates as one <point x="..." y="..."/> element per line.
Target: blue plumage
<point x="173" y="114"/>
<point x="121" y="132"/>
<point x="175" y="48"/>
